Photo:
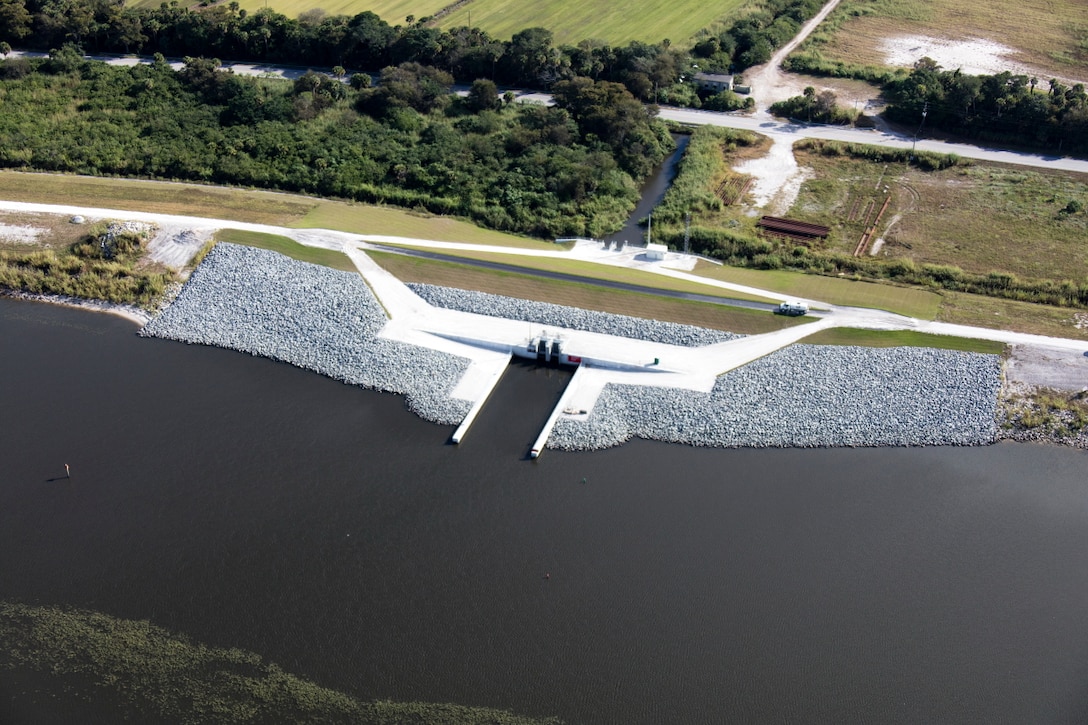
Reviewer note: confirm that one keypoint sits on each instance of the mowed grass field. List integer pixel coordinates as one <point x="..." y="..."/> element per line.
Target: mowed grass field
<point x="903" y="300"/>
<point x="391" y="11"/>
<point x="981" y="217"/>
<point x="1051" y="35"/>
<point x="572" y="21"/>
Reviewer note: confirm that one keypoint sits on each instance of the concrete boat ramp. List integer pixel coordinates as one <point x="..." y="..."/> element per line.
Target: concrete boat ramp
<point x="489" y="343"/>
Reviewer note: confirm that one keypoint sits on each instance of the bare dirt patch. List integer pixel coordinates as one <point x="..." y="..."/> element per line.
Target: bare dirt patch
<point x="1048" y="367"/>
<point x="778" y="178"/>
<point x="174" y="246"/>
<point x="20" y="231"/>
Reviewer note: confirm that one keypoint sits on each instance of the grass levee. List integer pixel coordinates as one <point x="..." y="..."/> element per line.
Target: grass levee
<point x="593" y="271"/>
<point x="584" y="296"/>
<point x="287" y="247"/>
<point x="909" y="301"/>
<point x="245" y="205"/>
<point x="901" y="338"/>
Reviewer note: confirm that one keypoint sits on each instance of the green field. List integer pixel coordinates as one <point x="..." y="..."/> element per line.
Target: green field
<point x="615" y="23"/>
<point x="904" y="300"/>
<point x="901" y="338"/>
<point x="572" y="21"/>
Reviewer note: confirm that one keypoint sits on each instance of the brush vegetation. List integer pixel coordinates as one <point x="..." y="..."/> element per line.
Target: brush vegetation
<point x="103" y="265"/>
<point x="1029" y="248"/>
<point x="565" y="171"/>
<point x="136" y="671"/>
<point x="1057" y="413"/>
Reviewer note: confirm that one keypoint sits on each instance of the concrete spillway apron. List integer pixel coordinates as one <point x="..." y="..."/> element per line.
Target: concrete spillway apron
<point x="572" y="386"/>
<point x="493" y="380"/>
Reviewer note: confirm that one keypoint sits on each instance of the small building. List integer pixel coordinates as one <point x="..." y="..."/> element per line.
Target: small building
<point x="714" y="82"/>
<point x="656" y="252"/>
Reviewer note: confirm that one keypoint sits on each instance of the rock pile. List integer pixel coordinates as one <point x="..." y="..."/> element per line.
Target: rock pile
<point x="321" y="319"/>
<point x="806" y="396"/>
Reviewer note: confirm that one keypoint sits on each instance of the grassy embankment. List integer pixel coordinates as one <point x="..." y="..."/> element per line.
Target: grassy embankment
<point x="93" y="664"/>
<point x="287" y="247"/>
<point x="1051" y="36"/>
<point x="585" y="296"/>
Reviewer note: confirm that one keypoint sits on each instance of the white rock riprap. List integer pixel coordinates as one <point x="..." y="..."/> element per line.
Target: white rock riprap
<point x="802" y="396"/>
<point x="570" y="318"/>
<point x="809" y="396"/>
<point x="317" y="318"/>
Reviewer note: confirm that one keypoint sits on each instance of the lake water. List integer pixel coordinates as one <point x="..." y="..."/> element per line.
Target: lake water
<point x="249" y="504"/>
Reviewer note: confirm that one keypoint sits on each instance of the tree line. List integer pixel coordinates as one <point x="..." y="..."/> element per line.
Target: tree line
<point x="652" y="72"/>
<point x="569" y="170"/>
<point x="1004" y="107"/>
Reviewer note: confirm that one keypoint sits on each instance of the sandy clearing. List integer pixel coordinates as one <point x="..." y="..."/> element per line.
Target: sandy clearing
<point x="973" y="56"/>
<point x="777" y="176"/>
<point x="175" y="245"/>
<point x="20" y="234"/>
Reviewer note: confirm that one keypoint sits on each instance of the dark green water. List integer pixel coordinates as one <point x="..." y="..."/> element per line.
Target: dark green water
<point x="249" y="504"/>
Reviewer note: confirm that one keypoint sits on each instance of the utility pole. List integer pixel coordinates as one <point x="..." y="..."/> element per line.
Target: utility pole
<point x="925" y="110"/>
<point x="687" y="234"/>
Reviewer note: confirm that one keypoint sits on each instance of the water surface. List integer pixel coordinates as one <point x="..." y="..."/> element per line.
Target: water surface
<point x="249" y="504"/>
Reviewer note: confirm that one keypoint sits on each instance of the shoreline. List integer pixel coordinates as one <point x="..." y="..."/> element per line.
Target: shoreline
<point x="132" y="314"/>
<point x="800" y="396"/>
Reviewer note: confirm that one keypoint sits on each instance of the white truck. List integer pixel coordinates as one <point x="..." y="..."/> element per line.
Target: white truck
<point x="793" y="308"/>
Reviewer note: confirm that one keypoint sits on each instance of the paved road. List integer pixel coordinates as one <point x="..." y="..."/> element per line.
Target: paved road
<point x="765" y="124"/>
